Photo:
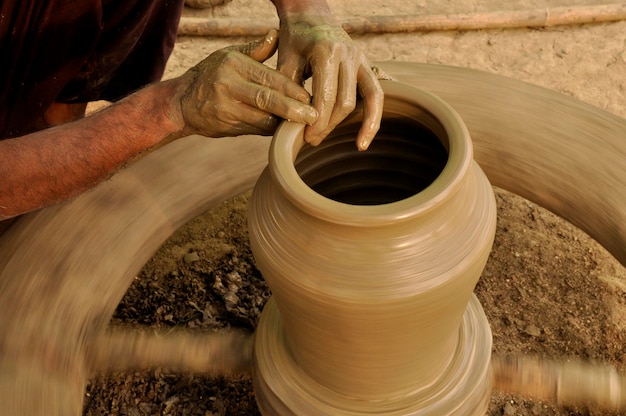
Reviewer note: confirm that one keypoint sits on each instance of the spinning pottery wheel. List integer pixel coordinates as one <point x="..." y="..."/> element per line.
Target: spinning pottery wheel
<point x="64" y="269"/>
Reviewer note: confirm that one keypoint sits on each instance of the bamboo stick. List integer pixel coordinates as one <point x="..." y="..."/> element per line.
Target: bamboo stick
<point x="209" y="353"/>
<point x="545" y="17"/>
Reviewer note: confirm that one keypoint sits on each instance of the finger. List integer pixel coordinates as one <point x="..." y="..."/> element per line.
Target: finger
<point x="324" y="88"/>
<point x="292" y="65"/>
<point x="346" y="94"/>
<point x="273" y="102"/>
<point x="345" y="101"/>
<point x="251" y="120"/>
<point x="373" y="100"/>
<point x="275" y="80"/>
<point x="259" y="50"/>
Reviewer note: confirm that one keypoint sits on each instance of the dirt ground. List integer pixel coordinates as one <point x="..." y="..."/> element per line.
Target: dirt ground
<point x="548" y="289"/>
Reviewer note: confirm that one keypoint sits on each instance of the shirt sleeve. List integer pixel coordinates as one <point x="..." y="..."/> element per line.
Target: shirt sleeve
<point x="78" y="51"/>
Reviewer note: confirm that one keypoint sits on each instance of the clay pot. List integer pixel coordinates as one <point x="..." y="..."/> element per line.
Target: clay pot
<point x="372" y="258"/>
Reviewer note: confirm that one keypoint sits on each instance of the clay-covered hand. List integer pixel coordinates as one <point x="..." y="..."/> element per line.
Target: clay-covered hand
<point x="233" y="93"/>
<point x="318" y="46"/>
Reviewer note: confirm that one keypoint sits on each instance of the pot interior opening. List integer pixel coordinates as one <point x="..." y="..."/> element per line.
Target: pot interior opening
<point x="404" y="158"/>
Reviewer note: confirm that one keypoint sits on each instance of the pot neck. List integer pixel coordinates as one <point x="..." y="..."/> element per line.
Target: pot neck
<point x="401" y="103"/>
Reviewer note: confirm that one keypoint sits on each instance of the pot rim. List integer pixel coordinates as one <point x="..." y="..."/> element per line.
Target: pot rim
<point x="288" y="140"/>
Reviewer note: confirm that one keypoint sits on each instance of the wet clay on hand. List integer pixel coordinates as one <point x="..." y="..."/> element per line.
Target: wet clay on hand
<point x="232" y="93"/>
<point x="317" y="46"/>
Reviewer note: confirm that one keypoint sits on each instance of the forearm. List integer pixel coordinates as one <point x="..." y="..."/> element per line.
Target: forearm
<point x="58" y="163"/>
<point x="229" y="93"/>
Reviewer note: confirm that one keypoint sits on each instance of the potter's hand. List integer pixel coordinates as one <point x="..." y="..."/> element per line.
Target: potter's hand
<point x="318" y="46"/>
<point x="232" y="93"/>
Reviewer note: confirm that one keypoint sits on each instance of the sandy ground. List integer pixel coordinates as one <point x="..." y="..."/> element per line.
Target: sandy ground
<point x="548" y="290"/>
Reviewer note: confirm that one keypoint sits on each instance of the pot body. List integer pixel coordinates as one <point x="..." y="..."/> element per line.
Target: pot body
<point x="372" y="256"/>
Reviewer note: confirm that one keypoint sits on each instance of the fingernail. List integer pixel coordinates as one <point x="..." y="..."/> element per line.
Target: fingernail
<point x="312" y="115"/>
<point x="363" y="145"/>
<point x="310" y="138"/>
<point x="304" y="97"/>
<point x="269" y="37"/>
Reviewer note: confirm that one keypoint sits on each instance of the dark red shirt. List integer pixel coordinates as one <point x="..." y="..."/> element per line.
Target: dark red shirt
<point x="73" y="51"/>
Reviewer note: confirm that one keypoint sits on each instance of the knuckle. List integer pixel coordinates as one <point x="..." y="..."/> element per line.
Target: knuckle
<point x="348" y="104"/>
<point x="373" y="94"/>
<point x="263" y="98"/>
<point x="216" y="91"/>
<point x="230" y="57"/>
<point x="326" y="49"/>
<point x="263" y="77"/>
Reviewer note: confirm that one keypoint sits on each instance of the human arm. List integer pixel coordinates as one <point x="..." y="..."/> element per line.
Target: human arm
<point x="229" y="93"/>
<point x="313" y="43"/>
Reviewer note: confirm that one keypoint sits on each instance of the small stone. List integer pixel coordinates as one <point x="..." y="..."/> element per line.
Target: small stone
<point x="537" y="409"/>
<point x="191" y="257"/>
<point x="231" y="299"/>
<point x="234" y="280"/>
<point x="509" y="409"/>
<point x="532" y="330"/>
<point x="133" y="411"/>
<point x="217" y="284"/>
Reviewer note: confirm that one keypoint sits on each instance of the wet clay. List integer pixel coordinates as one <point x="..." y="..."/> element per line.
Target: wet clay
<point x="64" y="269"/>
<point x="372" y="274"/>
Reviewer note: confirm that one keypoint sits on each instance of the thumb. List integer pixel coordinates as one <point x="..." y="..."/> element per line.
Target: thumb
<point x="259" y="50"/>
